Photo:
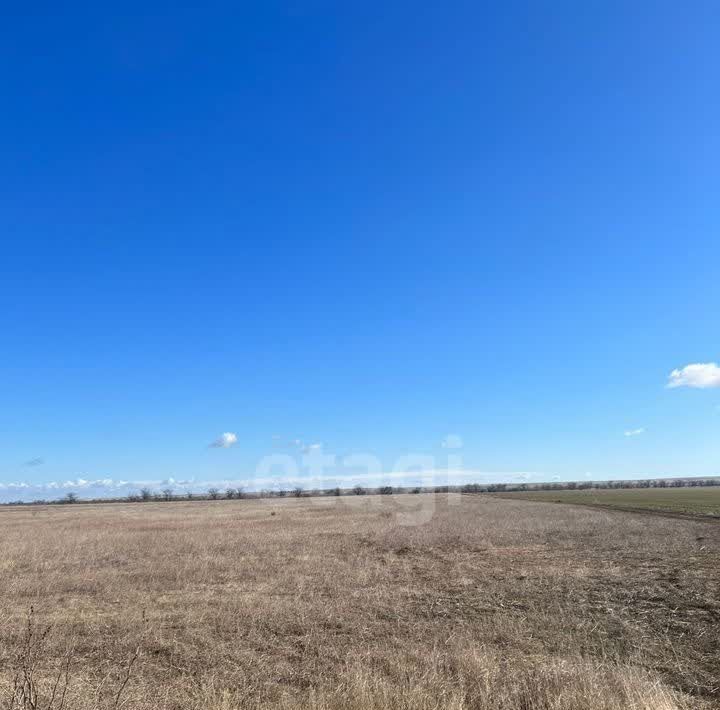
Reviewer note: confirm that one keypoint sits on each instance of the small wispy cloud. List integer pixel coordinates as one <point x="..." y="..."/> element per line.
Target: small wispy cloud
<point x="634" y="432"/>
<point x="224" y="441"/>
<point x="35" y="462"/>
<point x="452" y="441"/>
<point x="284" y="443"/>
<point x="309" y="448"/>
<point x="296" y="444"/>
<point x="701" y="375"/>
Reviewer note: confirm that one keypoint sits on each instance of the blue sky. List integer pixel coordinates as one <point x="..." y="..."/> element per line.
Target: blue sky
<point x="363" y="225"/>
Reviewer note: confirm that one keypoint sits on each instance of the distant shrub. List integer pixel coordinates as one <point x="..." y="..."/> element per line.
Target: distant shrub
<point x="213" y="493"/>
<point x="496" y="487"/>
<point x="230" y="493"/>
<point x="167" y="494"/>
<point x="385" y="490"/>
<point x="146" y="494"/>
<point x="359" y="491"/>
<point x="70" y="498"/>
<point x="298" y="492"/>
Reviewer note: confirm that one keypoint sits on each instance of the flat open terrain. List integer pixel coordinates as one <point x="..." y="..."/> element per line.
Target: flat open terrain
<point x="692" y="501"/>
<point x="340" y="603"/>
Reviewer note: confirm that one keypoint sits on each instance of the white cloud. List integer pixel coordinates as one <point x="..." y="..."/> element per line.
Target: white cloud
<point x="104" y="483"/>
<point x="634" y="432"/>
<point x="701" y="375"/>
<point x="311" y="447"/>
<point x="224" y="441"/>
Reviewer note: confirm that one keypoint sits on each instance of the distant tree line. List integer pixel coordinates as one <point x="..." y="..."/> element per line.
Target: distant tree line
<point x="168" y="495"/>
<point x="586" y="485"/>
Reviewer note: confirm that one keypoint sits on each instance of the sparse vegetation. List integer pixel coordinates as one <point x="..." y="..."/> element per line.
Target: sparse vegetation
<point x="38" y="679"/>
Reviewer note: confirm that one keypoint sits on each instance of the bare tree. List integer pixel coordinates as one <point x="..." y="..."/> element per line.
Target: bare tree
<point x="213" y="493"/>
<point x="167" y="494"/>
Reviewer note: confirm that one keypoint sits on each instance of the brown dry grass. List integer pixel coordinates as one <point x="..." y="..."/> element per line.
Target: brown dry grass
<point x="332" y="603"/>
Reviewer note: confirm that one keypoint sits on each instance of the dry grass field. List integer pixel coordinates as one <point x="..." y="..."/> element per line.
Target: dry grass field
<point x="493" y="604"/>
